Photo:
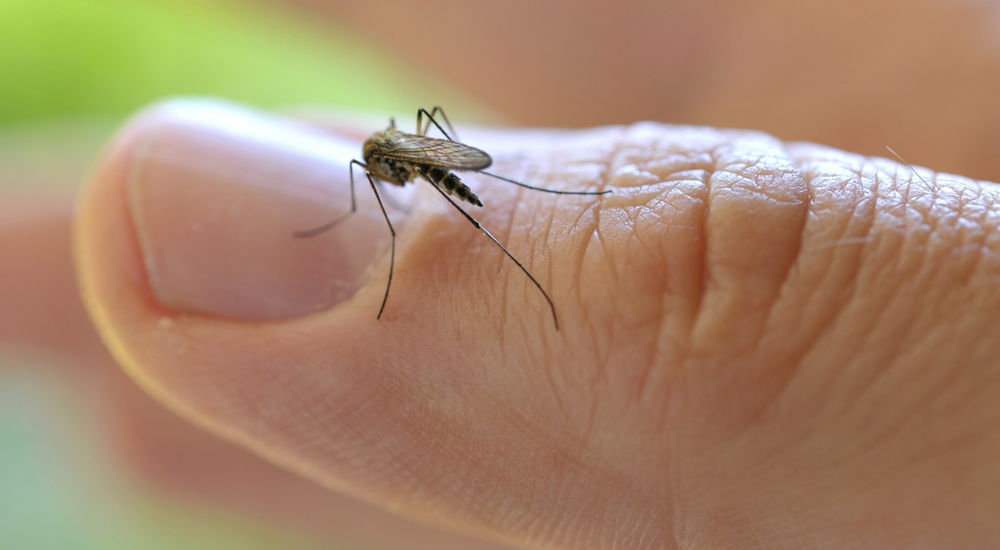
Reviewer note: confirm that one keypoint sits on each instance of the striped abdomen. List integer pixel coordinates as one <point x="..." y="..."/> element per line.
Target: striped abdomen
<point x="450" y="183"/>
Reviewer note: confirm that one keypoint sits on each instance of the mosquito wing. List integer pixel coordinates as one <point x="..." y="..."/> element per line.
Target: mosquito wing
<point x="436" y="152"/>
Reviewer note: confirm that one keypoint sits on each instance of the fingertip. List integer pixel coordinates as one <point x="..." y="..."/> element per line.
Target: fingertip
<point x="186" y="260"/>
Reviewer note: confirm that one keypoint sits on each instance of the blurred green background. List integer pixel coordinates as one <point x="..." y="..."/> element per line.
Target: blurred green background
<point x="59" y="490"/>
<point x="66" y="58"/>
<point x="70" y="72"/>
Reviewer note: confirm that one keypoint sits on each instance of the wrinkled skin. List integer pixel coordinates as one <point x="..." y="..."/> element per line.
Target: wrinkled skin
<point x="753" y="334"/>
<point x="763" y="345"/>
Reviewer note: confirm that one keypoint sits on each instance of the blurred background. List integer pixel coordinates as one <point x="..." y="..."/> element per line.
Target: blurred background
<point x="86" y="461"/>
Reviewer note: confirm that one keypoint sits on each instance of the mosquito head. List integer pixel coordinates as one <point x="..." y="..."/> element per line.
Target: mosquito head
<point x="375" y="144"/>
<point x="370" y="146"/>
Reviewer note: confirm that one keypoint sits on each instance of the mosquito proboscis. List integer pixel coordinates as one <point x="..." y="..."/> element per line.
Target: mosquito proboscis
<point x="397" y="157"/>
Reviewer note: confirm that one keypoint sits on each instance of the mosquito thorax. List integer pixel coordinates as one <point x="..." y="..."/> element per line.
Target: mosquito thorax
<point x="382" y="167"/>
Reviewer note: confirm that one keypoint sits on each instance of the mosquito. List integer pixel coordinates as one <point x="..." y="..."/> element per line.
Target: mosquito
<point x="397" y="157"/>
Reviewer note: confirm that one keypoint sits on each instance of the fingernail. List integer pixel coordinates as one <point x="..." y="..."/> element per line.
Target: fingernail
<point x="217" y="192"/>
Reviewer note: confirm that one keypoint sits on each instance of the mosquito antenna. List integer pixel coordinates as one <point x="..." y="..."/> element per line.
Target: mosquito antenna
<point x="520" y="266"/>
<point x="328" y="226"/>
<point x="908" y="165"/>
<point x="553" y="191"/>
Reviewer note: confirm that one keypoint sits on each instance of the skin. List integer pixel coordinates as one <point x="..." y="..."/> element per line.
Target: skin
<point x="754" y="334"/>
<point x="921" y="75"/>
<point x="795" y="364"/>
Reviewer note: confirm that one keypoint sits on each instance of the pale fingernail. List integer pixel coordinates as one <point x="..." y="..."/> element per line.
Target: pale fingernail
<point x="217" y="192"/>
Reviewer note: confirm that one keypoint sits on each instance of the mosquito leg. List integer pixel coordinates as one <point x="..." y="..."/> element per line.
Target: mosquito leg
<point x="392" y="253"/>
<point x="422" y="131"/>
<point x="422" y="127"/>
<point x="327" y="226"/>
<point x="438" y="109"/>
<point x="553" y="191"/>
<point x="489" y="235"/>
<point x="392" y="201"/>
